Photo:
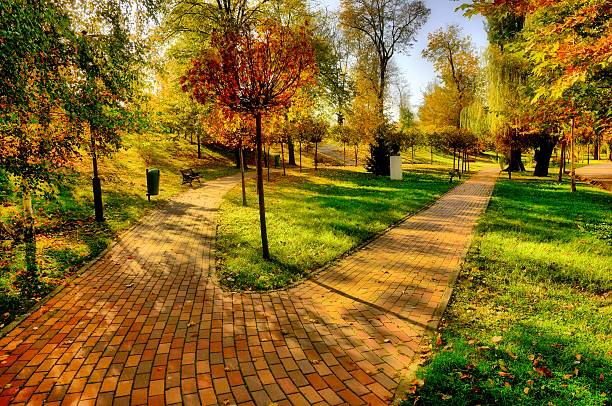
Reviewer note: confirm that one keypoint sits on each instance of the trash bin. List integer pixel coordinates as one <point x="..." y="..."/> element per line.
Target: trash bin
<point x="152" y="183"/>
<point x="276" y="161"/>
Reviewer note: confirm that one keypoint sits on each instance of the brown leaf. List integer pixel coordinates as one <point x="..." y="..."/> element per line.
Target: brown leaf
<point x="579" y="357"/>
<point x="601" y="377"/>
<point x="464" y="376"/>
<point x="497" y="339"/>
<point x="526" y="391"/>
<point x="567" y="376"/>
<point x="511" y="354"/>
<point x="543" y="371"/>
<point x="439" y="341"/>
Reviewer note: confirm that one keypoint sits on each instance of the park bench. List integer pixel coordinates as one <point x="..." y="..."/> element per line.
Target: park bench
<point x="189" y="176"/>
<point x="453" y="173"/>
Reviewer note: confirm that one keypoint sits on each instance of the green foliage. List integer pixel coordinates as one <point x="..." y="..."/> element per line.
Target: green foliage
<point x="68" y="236"/>
<point x="538" y="280"/>
<point x="386" y="143"/>
<point x="349" y="208"/>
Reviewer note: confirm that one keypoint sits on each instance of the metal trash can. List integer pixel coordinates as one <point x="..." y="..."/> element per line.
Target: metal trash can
<point x="277" y="161"/>
<point x="152" y="183"/>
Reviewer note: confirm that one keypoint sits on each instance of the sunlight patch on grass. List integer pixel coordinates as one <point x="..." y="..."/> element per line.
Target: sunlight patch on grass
<point x="313" y="219"/>
<point x="538" y="279"/>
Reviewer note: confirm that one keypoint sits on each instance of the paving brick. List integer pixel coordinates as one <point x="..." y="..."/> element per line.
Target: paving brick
<point x="146" y="324"/>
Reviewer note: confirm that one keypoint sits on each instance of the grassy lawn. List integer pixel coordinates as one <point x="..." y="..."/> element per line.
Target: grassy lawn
<point x="313" y="220"/>
<point x="530" y="321"/>
<point x="67" y="235"/>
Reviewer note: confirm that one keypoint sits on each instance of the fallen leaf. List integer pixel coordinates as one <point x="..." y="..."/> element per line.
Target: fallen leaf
<point x="601" y="377"/>
<point x="543" y="371"/>
<point x="579" y="357"/>
<point x="511" y="354"/>
<point x="439" y="341"/>
<point x="497" y="339"/>
<point x="526" y="391"/>
<point x="567" y="376"/>
<point x="507" y="384"/>
<point x="129" y="285"/>
<point x="386" y="340"/>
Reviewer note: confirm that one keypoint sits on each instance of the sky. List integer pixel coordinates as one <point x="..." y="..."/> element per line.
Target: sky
<point x="416" y="71"/>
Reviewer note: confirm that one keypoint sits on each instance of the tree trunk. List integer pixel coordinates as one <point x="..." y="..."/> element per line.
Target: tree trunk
<point x="244" y="200"/>
<point x="543" y="154"/>
<point x="191" y="137"/>
<point x="260" y="189"/>
<point x="356" y="154"/>
<point x="291" y="149"/>
<point x="269" y="163"/>
<point x="316" y="157"/>
<point x="573" y="159"/>
<point x="200" y="147"/>
<point x="28" y="212"/>
<point x="561" y="162"/>
<point x="596" y="149"/>
<point x="28" y="281"/>
<point x="454" y="159"/>
<point x="431" y="153"/>
<point x="344" y="149"/>
<point x="283" y="158"/>
<point x="413" y="154"/>
<point x="96" y="183"/>
<point x="300" y="142"/>
<point x="516" y="161"/>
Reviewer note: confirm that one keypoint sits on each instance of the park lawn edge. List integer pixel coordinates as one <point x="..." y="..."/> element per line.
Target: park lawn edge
<point x="455" y="340"/>
<point x="313" y="273"/>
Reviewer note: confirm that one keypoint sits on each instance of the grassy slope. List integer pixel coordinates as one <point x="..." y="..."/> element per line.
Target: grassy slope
<point x="67" y="235"/>
<point x="312" y="220"/>
<point x="538" y="277"/>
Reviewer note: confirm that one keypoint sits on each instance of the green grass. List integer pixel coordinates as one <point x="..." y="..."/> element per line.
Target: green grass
<point x="312" y="220"/>
<point x="538" y="277"/>
<point x="67" y="235"/>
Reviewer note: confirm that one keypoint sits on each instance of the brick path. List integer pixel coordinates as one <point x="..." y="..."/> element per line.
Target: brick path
<point x="599" y="174"/>
<point x="146" y="323"/>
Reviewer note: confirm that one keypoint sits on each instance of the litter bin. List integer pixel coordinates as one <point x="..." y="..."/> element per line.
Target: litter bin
<point x="152" y="183"/>
<point x="276" y="161"/>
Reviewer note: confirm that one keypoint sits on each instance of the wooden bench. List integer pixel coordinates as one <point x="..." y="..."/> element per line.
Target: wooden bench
<point x="453" y="173"/>
<point x="189" y="176"/>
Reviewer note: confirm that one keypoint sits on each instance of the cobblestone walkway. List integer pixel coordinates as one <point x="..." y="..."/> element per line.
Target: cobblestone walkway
<point x="146" y="324"/>
<point x="599" y="174"/>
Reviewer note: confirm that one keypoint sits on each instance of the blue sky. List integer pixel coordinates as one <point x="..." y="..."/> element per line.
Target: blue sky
<point x="415" y="70"/>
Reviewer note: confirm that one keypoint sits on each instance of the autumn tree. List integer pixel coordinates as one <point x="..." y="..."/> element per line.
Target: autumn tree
<point x="390" y="27"/>
<point x="34" y="91"/>
<point x="564" y="47"/>
<point x="334" y="55"/>
<point x="254" y="71"/>
<point x="455" y="60"/>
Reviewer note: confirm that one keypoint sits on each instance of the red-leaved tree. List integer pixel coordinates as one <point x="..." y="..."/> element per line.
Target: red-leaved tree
<point x="254" y="71"/>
